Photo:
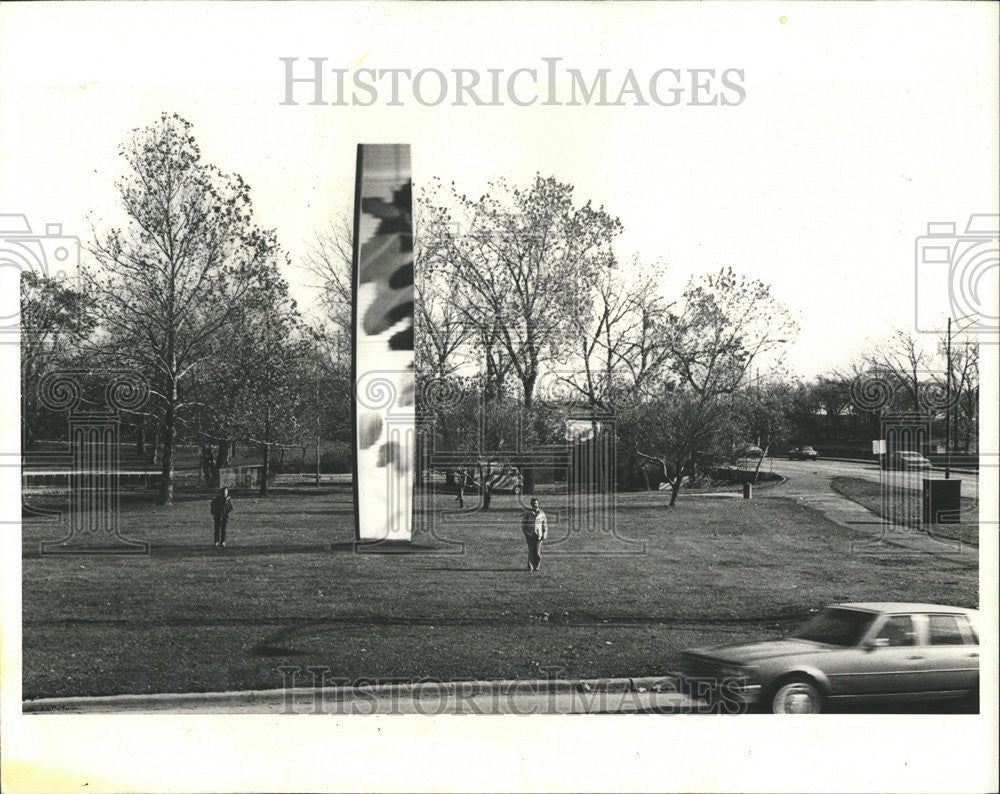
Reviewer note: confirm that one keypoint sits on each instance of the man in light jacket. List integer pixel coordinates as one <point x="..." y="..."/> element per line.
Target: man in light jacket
<point x="535" y="527"/>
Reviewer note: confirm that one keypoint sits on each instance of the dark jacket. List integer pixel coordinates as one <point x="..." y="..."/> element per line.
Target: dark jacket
<point x="222" y="506"/>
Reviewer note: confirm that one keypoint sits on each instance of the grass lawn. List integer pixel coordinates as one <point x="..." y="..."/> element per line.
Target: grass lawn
<point x="905" y="507"/>
<point x="291" y="590"/>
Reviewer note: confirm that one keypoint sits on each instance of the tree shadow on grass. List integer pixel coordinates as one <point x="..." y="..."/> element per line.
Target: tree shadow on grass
<point x="239" y="550"/>
<point x="203" y="550"/>
<point x="333" y="510"/>
<point x="458" y="569"/>
<point x="207" y="550"/>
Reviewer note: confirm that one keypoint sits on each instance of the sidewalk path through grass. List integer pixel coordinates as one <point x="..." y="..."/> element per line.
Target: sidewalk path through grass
<point x="810" y="483"/>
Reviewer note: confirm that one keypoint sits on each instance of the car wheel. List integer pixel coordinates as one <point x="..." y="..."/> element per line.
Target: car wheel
<point x="796" y="696"/>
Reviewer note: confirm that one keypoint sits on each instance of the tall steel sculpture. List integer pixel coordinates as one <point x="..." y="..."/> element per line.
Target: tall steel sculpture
<point x="383" y="364"/>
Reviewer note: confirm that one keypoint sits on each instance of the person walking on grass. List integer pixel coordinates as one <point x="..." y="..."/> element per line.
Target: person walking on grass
<point x="222" y="506"/>
<point x="535" y="527"/>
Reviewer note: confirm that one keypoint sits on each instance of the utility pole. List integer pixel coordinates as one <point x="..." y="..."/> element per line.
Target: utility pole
<point x="757" y="411"/>
<point x="947" y="407"/>
<point x="316" y="391"/>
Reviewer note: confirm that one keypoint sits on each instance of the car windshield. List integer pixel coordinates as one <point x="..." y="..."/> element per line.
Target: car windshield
<point x="836" y="626"/>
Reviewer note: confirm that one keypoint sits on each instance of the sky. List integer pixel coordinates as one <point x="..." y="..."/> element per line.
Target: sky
<point x="853" y="132"/>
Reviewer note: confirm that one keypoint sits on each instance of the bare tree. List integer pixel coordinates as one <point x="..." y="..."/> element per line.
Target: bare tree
<point x="442" y="331"/>
<point x="725" y="323"/>
<point x="169" y="282"/>
<point x="902" y="360"/>
<point x="674" y="428"/>
<point x="964" y="358"/>
<point x="619" y="347"/>
<point x="519" y="262"/>
<point x="55" y="320"/>
<point x="330" y="262"/>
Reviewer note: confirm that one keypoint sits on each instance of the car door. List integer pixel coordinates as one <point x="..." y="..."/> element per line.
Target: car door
<point x="951" y="654"/>
<point x="888" y="663"/>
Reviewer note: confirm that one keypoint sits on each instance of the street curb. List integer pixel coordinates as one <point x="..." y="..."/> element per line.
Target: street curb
<point x="426" y="689"/>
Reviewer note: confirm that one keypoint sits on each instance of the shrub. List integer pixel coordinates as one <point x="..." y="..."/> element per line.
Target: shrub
<point x="337" y="459"/>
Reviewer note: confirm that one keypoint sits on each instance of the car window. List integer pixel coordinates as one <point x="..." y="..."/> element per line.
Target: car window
<point x="834" y="626"/>
<point x="898" y="629"/>
<point x="947" y="629"/>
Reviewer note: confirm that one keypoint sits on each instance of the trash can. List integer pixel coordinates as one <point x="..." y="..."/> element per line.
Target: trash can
<point x="747" y="490"/>
<point x="942" y="501"/>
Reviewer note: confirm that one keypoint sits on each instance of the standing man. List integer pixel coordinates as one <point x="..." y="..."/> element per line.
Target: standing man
<point x="222" y="506"/>
<point x="535" y="527"/>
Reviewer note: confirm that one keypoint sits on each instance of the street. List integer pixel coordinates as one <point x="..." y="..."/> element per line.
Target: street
<point x="811" y="477"/>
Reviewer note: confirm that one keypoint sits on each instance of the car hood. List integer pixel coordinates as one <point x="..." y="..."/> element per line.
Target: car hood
<point x="749" y="652"/>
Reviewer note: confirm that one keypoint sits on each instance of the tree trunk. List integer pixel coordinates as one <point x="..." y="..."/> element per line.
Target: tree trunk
<point x="675" y="487"/>
<point x="485" y="489"/>
<point x="528" y="385"/>
<point x="153" y="448"/>
<point x="756" y="471"/>
<point x="263" y="469"/>
<point x="169" y="438"/>
<point x="267" y="451"/>
<point x="222" y="459"/>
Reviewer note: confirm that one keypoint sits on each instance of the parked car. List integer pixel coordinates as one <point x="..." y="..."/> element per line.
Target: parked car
<point x="802" y="453"/>
<point x="879" y="652"/>
<point x="502" y="479"/>
<point x="749" y="451"/>
<point x="509" y="479"/>
<point x="908" y="461"/>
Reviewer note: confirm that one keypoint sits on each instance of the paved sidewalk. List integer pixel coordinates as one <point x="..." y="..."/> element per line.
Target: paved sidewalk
<point x="811" y="486"/>
<point x="595" y="696"/>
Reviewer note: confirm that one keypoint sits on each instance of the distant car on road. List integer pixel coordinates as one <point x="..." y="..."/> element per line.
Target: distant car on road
<point x="908" y="461"/>
<point x="749" y="451"/>
<point x="802" y="453"/>
<point x="509" y="479"/>
<point x="878" y="652"/>
<point x="505" y="479"/>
